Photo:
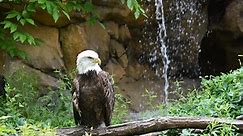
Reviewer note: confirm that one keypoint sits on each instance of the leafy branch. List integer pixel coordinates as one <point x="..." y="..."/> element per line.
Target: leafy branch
<point x="134" y="6"/>
<point x="11" y="32"/>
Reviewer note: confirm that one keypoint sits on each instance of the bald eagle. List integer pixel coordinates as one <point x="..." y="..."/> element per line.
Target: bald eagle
<point x="92" y="93"/>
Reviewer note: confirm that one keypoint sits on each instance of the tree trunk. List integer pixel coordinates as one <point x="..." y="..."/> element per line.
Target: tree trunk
<point x="147" y="126"/>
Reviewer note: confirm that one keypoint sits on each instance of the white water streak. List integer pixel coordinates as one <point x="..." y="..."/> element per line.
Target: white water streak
<point x="161" y="41"/>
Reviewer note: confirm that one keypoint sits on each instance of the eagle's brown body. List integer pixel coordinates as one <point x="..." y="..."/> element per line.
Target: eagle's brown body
<point x="93" y="99"/>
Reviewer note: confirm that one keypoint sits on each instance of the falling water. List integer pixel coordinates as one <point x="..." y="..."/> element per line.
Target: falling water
<point x="161" y="35"/>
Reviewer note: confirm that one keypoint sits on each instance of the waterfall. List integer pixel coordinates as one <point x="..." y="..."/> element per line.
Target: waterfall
<point x="161" y="36"/>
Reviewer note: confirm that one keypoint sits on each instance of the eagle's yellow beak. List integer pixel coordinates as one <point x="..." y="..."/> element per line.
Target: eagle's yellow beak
<point x="97" y="60"/>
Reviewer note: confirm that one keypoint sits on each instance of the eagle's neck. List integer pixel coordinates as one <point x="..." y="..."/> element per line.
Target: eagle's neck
<point x="82" y="69"/>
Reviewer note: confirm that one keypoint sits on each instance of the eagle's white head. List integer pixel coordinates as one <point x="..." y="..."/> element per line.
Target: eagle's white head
<point x="88" y="60"/>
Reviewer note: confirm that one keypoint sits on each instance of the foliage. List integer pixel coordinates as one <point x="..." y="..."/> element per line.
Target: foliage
<point x="120" y="109"/>
<point x="150" y="96"/>
<point x="25" y="112"/>
<point x="217" y="129"/>
<point x="11" y="32"/>
<point x="221" y="96"/>
<point x="134" y="5"/>
<point x="28" y="113"/>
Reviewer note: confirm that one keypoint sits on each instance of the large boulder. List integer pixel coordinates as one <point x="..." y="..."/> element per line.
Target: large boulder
<point x="45" y="82"/>
<point x="225" y="37"/>
<point x="119" y="52"/>
<point x="115" y="69"/>
<point x="48" y="54"/>
<point x="118" y="13"/>
<point x="76" y="38"/>
<point x="186" y="23"/>
<point x="233" y="18"/>
<point x="45" y="18"/>
<point x="73" y="41"/>
<point x="124" y="33"/>
<point x="112" y="29"/>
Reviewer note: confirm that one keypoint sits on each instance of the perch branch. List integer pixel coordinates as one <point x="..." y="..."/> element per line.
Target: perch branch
<point x="147" y="126"/>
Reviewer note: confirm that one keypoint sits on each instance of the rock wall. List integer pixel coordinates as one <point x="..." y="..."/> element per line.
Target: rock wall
<point x="223" y="43"/>
<point x="128" y="47"/>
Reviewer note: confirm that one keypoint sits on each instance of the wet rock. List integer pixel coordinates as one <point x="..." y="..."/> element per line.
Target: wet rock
<point x="135" y="91"/>
<point x="233" y="18"/>
<point x="48" y="54"/>
<point x="115" y="69"/>
<point x="119" y="52"/>
<point x="225" y="38"/>
<point x="135" y="70"/>
<point x="76" y="38"/>
<point x="112" y="29"/>
<point x="141" y="100"/>
<point x="186" y="27"/>
<point x="124" y="33"/>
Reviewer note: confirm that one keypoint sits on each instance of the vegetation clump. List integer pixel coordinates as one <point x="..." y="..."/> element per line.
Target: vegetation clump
<point x="220" y="96"/>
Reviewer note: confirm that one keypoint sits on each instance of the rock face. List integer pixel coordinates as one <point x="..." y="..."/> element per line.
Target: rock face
<point x="72" y="39"/>
<point x="44" y="81"/>
<point x="233" y="18"/>
<point x="115" y="69"/>
<point x="222" y="45"/>
<point x="205" y="33"/>
<point x="186" y="29"/>
<point x="44" y="18"/>
<point x="76" y="38"/>
<point x="48" y="54"/>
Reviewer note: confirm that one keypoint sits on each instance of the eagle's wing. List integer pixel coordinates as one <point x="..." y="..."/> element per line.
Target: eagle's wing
<point x="75" y="99"/>
<point x="109" y="95"/>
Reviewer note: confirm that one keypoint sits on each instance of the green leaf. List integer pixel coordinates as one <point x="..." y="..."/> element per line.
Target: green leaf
<point x="13" y="28"/>
<point x="16" y="35"/>
<point x="49" y="7"/>
<point x="22" y="38"/>
<point x="22" y="21"/>
<point x="7" y="24"/>
<point x="130" y="4"/>
<point x="21" y="54"/>
<point x="5" y="117"/>
<point x="137" y="14"/>
<point x="12" y="14"/>
<point x="18" y="17"/>
<point x="66" y="14"/>
<point x="31" y="6"/>
<point x="55" y="15"/>
<point x="91" y="20"/>
<point x="30" y="21"/>
<point x="31" y="40"/>
<point x="88" y="6"/>
<point x="25" y="13"/>
<point x="70" y="6"/>
<point x="41" y="1"/>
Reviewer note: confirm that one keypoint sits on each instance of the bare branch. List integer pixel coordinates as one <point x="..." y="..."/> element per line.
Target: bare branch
<point x="151" y="125"/>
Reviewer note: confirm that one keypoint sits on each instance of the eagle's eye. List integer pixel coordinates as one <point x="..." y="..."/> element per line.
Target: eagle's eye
<point x="90" y="58"/>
